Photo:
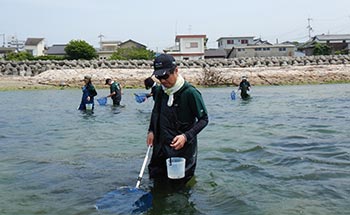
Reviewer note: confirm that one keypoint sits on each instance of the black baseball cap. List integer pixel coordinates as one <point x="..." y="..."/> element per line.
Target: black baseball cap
<point x="163" y="64"/>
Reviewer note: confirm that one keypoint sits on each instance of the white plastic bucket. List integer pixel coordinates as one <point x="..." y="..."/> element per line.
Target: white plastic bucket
<point x="88" y="106"/>
<point x="176" y="167"/>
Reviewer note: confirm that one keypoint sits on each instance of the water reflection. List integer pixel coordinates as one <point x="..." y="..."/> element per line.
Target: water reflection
<point x="87" y="114"/>
<point x="173" y="198"/>
<point x="117" y="109"/>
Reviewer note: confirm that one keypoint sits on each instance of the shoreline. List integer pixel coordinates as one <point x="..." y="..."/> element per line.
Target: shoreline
<point x="203" y="77"/>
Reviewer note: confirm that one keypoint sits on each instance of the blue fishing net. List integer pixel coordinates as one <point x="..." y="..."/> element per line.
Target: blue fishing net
<point x="102" y="101"/>
<point x="233" y="95"/>
<point x="125" y="200"/>
<point x="140" y="97"/>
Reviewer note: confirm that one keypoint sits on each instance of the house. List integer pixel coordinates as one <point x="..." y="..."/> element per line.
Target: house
<point x="259" y="41"/>
<point x="35" y="46"/>
<point x="247" y="46"/>
<point x="132" y="44"/>
<point x="336" y="42"/>
<point x="188" y="47"/>
<point x="227" y="43"/>
<point x="56" y="50"/>
<point x="107" y="48"/>
<point x="14" y="42"/>
<point x="262" y="50"/>
<point x="6" y="50"/>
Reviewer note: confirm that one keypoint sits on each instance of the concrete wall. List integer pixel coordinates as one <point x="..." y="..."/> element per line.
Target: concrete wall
<point x="32" y="68"/>
<point x="263" y="51"/>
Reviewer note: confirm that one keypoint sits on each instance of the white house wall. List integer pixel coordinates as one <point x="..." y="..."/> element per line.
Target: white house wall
<point x="236" y="42"/>
<point x="187" y="57"/>
<point x="40" y="48"/>
<point x="274" y="51"/>
<point x="185" y="45"/>
<point x="37" y="50"/>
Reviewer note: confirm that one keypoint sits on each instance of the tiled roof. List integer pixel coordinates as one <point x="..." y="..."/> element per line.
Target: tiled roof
<point x="332" y="37"/>
<point x="191" y="36"/>
<point x="56" y="50"/>
<point x="33" y="41"/>
<point x="244" y="37"/>
<point x="132" y="41"/>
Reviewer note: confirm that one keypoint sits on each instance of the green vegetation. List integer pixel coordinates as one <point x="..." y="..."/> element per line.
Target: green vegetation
<point x="341" y="52"/>
<point x="132" y="54"/>
<point x="321" y="49"/>
<point x="50" y="57"/>
<point x="79" y="49"/>
<point x="20" y="56"/>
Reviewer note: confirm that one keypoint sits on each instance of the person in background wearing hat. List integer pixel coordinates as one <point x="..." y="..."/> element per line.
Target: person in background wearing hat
<point x="178" y="115"/>
<point x="89" y="92"/>
<point x="151" y="84"/>
<point x="115" y="91"/>
<point x="244" y="87"/>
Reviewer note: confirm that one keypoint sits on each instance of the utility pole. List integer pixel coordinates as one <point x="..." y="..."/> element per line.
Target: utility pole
<point x="3" y="40"/>
<point x="176" y="28"/>
<point x="101" y="36"/>
<point x="189" y="29"/>
<point x="309" y="26"/>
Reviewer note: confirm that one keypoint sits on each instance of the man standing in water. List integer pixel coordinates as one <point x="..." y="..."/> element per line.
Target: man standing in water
<point x="244" y="86"/>
<point x="89" y="92"/>
<point x="178" y="115"/>
<point x="115" y="91"/>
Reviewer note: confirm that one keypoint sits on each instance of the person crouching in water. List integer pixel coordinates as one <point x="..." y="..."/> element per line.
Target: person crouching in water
<point x="89" y="92"/>
<point x="178" y="115"/>
<point x="244" y="86"/>
<point x="115" y="91"/>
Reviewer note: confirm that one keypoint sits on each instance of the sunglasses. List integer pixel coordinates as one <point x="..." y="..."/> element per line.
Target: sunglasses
<point x="160" y="77"/>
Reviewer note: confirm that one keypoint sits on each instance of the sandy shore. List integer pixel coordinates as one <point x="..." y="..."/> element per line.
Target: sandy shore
<point x="198" y="76"/>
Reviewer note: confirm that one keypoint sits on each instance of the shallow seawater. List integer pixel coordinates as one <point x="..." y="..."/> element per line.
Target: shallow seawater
<point x="285" y="151"/>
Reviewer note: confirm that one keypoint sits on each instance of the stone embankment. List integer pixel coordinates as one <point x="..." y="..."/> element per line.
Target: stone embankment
<point x="211" y="72"/>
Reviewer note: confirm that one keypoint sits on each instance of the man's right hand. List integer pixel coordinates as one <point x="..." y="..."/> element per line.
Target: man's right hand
<point x="150" y="138"/>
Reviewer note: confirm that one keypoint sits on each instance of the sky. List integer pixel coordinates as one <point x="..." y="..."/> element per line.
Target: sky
<point x="155" y="23"/>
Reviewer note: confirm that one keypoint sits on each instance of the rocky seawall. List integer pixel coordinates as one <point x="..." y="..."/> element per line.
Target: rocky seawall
<point x="211" y="72"/>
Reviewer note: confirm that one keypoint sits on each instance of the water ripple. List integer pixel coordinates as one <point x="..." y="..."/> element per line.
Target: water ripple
<point x="284" y="152"/>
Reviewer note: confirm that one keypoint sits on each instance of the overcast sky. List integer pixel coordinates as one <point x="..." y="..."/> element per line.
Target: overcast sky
<point x="155" y="23"/>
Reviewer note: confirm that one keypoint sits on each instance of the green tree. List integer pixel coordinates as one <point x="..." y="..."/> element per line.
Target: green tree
<point x="79" y="49"/>
<point x="20" y="56"/>
<point x="132" y="54"/>
<point x="321" y="49"/>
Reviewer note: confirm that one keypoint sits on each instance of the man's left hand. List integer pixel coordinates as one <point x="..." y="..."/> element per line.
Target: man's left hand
<point x="178" y="142"/>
